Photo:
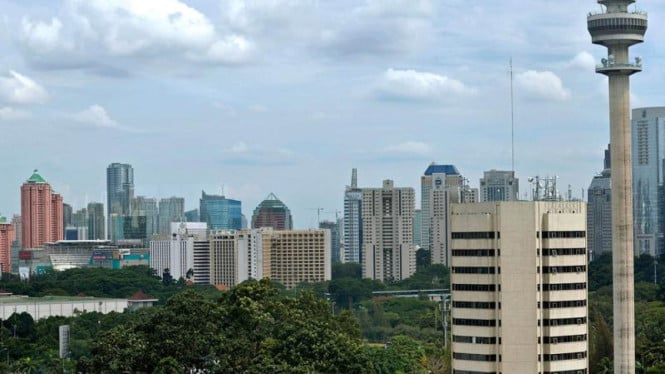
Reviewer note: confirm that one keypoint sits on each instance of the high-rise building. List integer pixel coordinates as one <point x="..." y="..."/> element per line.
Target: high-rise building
<point x="119" y="191"/>
<point x="273" y="213"/>
<point x="7" y="235"/>
<point x="192" y="215"/>
<point x="178" y="254"/>
<point x="134" y="228"/>
<point x="67" y="212"/>
<point x="387" y="218"/>
<point x="648" y="138"/>
<point x="599" y="213"/>
<point x="618" y="28"/>
<point x="16" y="222"/>
<point x="296" y="256"/>
<point x="96" y="227"/>
<point x="41" y="213"/>
<point x="229" y="263"/>
<point x="499" y="185"/>
<point x="441" y="185"/>
<point x="220" y="213"/>
<point x="519" y="287"/>
<point x="417" y="227"/>
<point x="353" y="229"/>
<point x="171" y="210"/>
<point x="334" y="239"/>
<point x="147" y="207"/>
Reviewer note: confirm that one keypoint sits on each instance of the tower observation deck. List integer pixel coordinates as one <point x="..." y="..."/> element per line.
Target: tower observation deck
<point x="618" y="28"/>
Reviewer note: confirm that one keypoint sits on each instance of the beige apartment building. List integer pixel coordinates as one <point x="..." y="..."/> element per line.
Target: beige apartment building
<point x="294" y="256"/>
<point x="519" y="288"/>
<point x="285" y="256"/>
<point x="387" y="220"/>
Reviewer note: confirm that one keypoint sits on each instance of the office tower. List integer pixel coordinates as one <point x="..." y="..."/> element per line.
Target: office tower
<point x="79" y="218"/>
<point x="334" y="239"/>
<point x="648" y="137"/>
<point x="96" y="227"/>
<point x="519" y="287"/>
<point x="16" y="222"/>
<point x="229" y="264"/>
<point x="41" y="213"/>
<point x="617" y="28"/>
<point x="272" y="213"/>
<point x="387" y="218"/>
<point x="192" y="215"/>
<point x="7" y="235"/>
<point x="147" y="207"/>
<point x="353" y="221"/>
<point x="135" y="228"/>
<point x="202" y="260"/>
<point x="220" y="213"/>
<point x="120" y="192"/>
<point x="295" y="256"/>
<point x="181" y="252"/>
<point x="499" y="185"/>
<point x="440" y="186"/>
<point x="417" y="227"/>
<point x="599" y="213"/>
<point x="67" y="212"/>
<point x="170" y="210"/>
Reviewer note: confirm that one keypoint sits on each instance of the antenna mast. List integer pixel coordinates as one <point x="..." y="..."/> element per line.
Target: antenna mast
<point x="512" y="119"/>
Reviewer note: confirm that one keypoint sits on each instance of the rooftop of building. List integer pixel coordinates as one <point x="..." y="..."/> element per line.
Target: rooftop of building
<point x="35" y="178"/>
<point x="272" y="202"/>
<point x="441" y="169"/>
<point x="3" y="219"/>
<point x="22" y="299"/>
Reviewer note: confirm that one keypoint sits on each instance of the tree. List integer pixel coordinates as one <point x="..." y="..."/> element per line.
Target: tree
<point x="423" y="258"/>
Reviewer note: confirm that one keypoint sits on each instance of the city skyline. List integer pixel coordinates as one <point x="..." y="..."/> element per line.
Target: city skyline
<point x="290" y="86"/>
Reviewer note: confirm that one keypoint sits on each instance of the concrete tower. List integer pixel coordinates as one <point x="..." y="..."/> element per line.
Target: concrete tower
<point x="617" y="28"/>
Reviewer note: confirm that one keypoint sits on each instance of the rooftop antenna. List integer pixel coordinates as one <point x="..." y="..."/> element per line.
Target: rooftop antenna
<point x="354" y="178"/>
<point x="512" y="119"/>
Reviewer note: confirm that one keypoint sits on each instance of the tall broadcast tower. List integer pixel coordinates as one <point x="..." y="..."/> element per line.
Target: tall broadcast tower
<point x="617" y="28"/>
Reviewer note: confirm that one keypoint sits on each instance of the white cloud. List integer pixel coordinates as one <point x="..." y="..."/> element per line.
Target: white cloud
<point x="412" y="147"/>
<point x="541" y="84"/>
<point x="242" y="153"/>
<point x="397" y="8"/>
<point x="583" y="61"/>
<point x="96" y="116"/>
<point x="233" y="49"/>
<point x="42" y="36"/>
<point x="411" y="84"/>
<point x="92" y="32"/>
<point x="19" y="89"/>
<point x="12" y="114"/>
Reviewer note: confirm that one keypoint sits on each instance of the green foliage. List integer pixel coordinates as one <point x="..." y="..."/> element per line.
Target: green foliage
<point x="434" y="276"/>
<point x="347" y="270"/>
<point x="423" y="258"/>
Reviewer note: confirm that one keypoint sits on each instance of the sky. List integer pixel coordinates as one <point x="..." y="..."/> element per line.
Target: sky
<point x="249" y="97"/>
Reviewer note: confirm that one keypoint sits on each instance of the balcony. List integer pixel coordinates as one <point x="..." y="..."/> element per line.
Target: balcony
<point x="610" y="67"/>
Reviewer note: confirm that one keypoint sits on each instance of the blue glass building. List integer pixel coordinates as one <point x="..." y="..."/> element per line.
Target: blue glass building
<point x="220" y="213"/>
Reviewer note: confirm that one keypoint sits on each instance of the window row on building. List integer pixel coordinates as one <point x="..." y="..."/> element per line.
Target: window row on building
<point x="474" y="322"/>
<point x="473" y="252"/>
<point x="563" y="321"/>
<point x="564" y="252"/>
<point x="562" y="269"/>
<point x="475" y="287"/>
<point x="473" y="356"/>
<point x="475" y="270"/>
<point x="562" y="286"/>
<point x="476" y="305"/>
<point x="564" y="356"/>
<point x="562" y="304"/>
<point x="563" y="339"/>
<point x="475" y="339"/>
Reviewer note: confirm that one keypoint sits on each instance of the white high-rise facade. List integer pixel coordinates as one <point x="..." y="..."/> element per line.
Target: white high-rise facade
<point x="440" y="186"/>
<point x="353" y="221"/>
<point x="499" y="185"/>
<point x="387" y="219"/>
<point x="177" y="253"/>
<point x="519" y="287"/>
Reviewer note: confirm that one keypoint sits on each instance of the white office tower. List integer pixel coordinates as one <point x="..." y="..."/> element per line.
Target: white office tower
<point x="198" y="231"/>
<point x="177" y="253"/>
<point x="387" y="221"/>
<point x="353" y="221"/>
<point x="519" y="287"/>
<point x="441" y="186"/>
<point x="499" y="185"/>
